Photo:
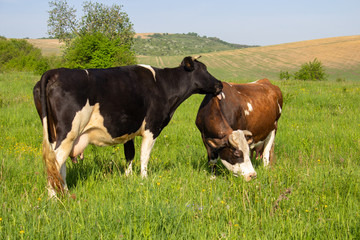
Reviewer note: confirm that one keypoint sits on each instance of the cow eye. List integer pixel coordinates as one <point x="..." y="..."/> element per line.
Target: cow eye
<point x="237" y="153"/>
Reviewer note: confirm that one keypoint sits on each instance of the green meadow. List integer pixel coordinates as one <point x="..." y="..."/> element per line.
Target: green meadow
<point x="312" y="192"/>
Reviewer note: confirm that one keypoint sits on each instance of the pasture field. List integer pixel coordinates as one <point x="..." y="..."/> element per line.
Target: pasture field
<point x="312" y="192"/>
<point x="339" y="55"/>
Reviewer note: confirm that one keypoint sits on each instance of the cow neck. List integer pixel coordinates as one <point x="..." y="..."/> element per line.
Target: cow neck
<point x="177" y="86"/>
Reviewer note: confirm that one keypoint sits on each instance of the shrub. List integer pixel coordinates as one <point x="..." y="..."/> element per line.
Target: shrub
<point x="19" y="55"/>
<point x="284" y="75"/>
<point x="311" y="71"/>
<point x="97" y="51"/>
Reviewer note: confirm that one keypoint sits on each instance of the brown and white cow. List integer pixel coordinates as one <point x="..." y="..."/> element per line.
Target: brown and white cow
<point x="111" y="106"/>
<point x="244" y="119"/>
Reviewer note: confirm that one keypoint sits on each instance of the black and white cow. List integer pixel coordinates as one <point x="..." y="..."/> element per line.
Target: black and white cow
<point x="111" y="106"/>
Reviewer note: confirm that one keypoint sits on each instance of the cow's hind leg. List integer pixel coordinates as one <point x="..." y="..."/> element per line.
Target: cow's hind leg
<point x="268" y="146"/>
<point x="146" y="146"/>
<point x="62" y="153"/>
<point x="129" y="150"/>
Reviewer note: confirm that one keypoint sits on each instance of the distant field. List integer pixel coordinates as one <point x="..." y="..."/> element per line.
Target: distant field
<point x="340" y="56"/>
<point x="48" y="47"/>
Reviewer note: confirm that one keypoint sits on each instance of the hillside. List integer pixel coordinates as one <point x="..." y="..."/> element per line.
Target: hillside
<point x="339" y="55"/>
<point x="180" y="44"/>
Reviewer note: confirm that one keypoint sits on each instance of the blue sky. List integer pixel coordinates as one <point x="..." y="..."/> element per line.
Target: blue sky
<point x="256" y="22"/>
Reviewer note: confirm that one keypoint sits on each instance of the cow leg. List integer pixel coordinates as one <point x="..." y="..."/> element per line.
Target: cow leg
<point x="268" y="145"/>
<point x="61" y="155"/>
<point x="129" y="150"/>
<point x="146" y="146"/>
<point x="213" y="158"/>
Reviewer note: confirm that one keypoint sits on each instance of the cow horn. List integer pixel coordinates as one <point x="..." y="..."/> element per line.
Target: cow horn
<point x="233" y="138"/>
<point x="247" y="133"/>
<point x="195" y="58"/>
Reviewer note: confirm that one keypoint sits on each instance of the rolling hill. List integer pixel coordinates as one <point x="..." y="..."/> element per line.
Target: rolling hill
<point x="164" y="44"/>
<point x="339" y="55"/>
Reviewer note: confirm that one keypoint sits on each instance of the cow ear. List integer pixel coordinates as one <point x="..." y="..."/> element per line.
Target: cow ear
<point x="217" y="142"/>
<point x="248" y="136"/>
<point x="188" y="64"/>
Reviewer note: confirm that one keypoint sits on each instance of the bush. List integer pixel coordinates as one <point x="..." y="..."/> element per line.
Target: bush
<point x="285" y="75"/>
<point x="311" y="71"/>
<point x="19" y="55"/>
<point x="97" y="51"/>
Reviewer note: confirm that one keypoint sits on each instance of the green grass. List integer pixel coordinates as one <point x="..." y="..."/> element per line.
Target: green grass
<point x="313" y="191"/>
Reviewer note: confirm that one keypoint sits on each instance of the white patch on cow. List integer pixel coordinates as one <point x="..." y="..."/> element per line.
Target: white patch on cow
<point x="87" y="73"/>
<point x="94" y="132"/>
<point x="254" y="82"/>
<point x="150" y="68"/>
<point x="238" y="140"/>
<point x="254" y="145"/>
<point x="279" y="107"/>
<point x="146" y="146"/>
<point x="250" y="107"/>
<point x="230" y="84"/>
<point x="269" y="141"/>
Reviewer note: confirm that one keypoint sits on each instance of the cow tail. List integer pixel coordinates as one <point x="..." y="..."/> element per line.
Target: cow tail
<point x="53" y="174"/>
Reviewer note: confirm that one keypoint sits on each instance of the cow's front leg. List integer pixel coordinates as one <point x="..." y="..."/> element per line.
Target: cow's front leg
<point x="213" y="157"/>
<point x="129" y="150"/>
<point x="268" y="145"/>
<point x="146" y="146"/>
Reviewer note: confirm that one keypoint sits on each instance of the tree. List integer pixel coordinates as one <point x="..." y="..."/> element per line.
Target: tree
<point x="103" y="37"/>
<point x="62" y="23"/>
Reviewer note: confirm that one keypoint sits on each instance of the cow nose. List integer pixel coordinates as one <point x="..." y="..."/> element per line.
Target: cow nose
<point x="250" y="176"/>
<point x="218" y="87"/>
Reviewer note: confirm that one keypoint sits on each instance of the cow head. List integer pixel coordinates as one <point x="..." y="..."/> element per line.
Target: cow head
<point x="202" y="80"/>
<point x="234" y="152"/>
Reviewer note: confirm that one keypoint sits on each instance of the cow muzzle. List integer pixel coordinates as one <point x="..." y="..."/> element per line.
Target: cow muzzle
<point x="245" y="169"/>
<point x="218" y="88"/>
<point x="248" y="177"/>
